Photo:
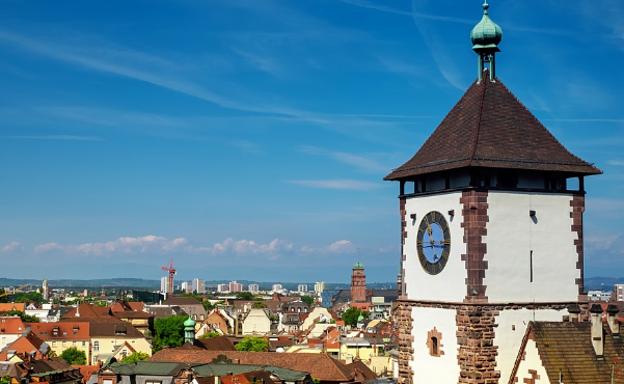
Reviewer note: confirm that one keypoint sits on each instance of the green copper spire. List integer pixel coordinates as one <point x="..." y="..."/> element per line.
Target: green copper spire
<point x="358" y="265"/>
<point x="189" y="330"/>
<point x="485" y="37"/>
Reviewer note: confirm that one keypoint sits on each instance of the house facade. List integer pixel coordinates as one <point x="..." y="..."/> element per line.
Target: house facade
<point x="256" y="322"/>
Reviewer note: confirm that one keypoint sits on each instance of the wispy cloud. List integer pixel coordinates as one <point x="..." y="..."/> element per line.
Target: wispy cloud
<point x="617" y="163"/>
<point x="398" y="66"/>
<point x="263" y="63"/>
<point x="336" y="184"/>
<point x="365" y="163"/>
<point x="341" y="246"/>
<point x="417" y="15"/>
<point x="56" y="137"/>
<point x="10" y="247"/>
<point x="605" y="207"/>
<point x="125" y="244"/>
<point x="246" y="247"/>
<point x="152" y="244"/>
<point x="248" y="147"/>
<point x="138" y="66"/>
<point x="111" y="59"/>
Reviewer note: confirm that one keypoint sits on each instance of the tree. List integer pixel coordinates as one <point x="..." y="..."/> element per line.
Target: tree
<point x="134" y="357"/>
<point x="210" y="335"/>
<point x="74" y="356"/>
<point x="208" y="306"/>
<point x="169" y="332"/>
<point x="351" y="315"/>
<point x="28" y="297"/>
<point x="25" y="318"/>
<point x="244" y="296"/>
<point x="308" y="300"/>
<point x="253" y="344"/>
<point x="258" y="304"/>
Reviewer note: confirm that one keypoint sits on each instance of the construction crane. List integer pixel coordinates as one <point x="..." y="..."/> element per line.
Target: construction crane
<point x="170" y="269"/>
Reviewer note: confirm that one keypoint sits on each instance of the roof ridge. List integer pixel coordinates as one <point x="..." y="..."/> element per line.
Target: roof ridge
<point x="477" y="133"/>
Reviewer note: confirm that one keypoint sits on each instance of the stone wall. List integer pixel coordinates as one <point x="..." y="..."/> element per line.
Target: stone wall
<point x="403" y="320"/>
<point x="578" y="207"/>
<point x="475" y="218"/>
<point x="477" y="352"/>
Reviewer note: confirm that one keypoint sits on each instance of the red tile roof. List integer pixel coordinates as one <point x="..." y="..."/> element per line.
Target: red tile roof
<point x="11" y="325"/>
<point x="320" y="366"/>
<point x="24" y="345"/>
<point x="127" y="306"/>
<point x="87" y="370"/>
<point x="8" y="307"/>
<point x="489" y="127"/>
<point x="87" y="311"/>
<point x="66" y="330"/>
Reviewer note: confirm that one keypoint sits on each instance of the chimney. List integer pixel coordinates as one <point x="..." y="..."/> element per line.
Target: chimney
<point x="597" y="336"/>
<point x="575" y="311"/>
<point x="614" y="324"/>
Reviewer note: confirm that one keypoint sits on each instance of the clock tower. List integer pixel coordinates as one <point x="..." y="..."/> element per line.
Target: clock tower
<point x="491" y="210"/>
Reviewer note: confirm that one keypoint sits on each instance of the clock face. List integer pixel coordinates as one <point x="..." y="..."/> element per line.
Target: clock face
<point x="433" y="242"/>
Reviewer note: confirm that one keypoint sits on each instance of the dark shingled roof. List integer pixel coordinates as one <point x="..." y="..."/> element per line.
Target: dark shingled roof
<point x="320" y="366"/>
<point x="566" y="347"/>
<point x="217" y="343"/>
<point x="489" y="127"/>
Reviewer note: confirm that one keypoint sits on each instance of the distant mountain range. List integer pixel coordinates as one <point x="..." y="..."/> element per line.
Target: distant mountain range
<point x="95" y="283"/>
<point x="131" y="283"/>
<point x="591" y="283"/>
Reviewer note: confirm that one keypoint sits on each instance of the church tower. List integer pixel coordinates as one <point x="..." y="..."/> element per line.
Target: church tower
<point x="491" y="209"/>
<point x="358" y="286"/>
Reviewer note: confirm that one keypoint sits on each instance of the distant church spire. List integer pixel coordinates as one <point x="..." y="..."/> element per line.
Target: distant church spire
<point x="485" y="37"/>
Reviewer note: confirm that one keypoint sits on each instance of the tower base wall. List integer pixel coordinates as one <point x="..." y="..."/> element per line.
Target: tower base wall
<point x="476" y="343"/>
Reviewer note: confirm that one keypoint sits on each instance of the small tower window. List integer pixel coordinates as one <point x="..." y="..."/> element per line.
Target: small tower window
<point x="434" y="343"/>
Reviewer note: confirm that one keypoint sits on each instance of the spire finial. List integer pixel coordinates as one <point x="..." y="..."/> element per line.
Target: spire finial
<point x="486" y="36"/>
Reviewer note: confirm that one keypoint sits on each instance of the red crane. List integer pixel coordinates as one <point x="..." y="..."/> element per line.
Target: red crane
<point x="170" y="269"/>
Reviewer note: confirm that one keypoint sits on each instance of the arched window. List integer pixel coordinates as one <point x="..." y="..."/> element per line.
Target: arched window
<point x="434" y="342"/>
<point x="434" y="346"/>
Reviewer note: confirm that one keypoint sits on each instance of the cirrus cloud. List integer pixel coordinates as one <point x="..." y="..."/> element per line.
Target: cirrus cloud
<point x="338" y="184"/>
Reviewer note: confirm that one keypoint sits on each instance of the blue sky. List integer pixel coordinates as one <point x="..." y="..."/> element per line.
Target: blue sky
<point x="248" y="139"/>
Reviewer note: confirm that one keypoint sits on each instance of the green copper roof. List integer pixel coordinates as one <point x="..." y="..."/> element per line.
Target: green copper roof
<point x="486" y="35"/>
<point x="189" y="322"/>
<point x="358" y="265"/>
